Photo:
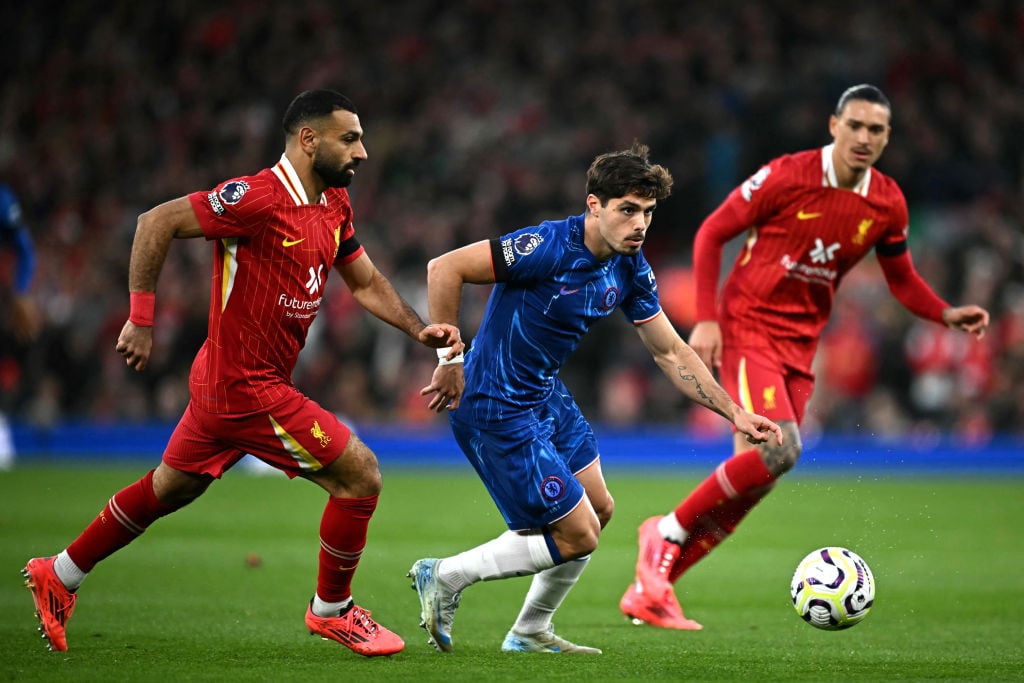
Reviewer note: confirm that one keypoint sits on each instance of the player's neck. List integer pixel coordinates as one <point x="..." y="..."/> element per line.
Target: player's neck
<point x="848" y="178"/>
<point x="593" y="240"/>
<point x="313" y="189"/>
<point x="303" y="167"/>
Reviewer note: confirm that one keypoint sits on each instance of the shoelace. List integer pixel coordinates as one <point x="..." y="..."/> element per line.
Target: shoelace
<point x="667" y="559"/>
<point x="363" y="617"/>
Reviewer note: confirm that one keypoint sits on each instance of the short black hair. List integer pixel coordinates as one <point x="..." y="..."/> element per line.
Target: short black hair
<point x="616" y="174"/>
<point x="313" y="104"/>
<point x="864" y="91"/>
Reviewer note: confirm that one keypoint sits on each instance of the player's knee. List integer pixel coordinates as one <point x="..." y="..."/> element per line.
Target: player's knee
<point x="180" y="498"/>
<point x="580" y="546"/>
<point x="579" y="540"/>
<point x="367" y="481"/>
<point x="604" y="510"/>
<point x="175" y="488"/>
<point x="353" y="474"/>
<point x="781" y="459"/>
<point x="576" y="535"/>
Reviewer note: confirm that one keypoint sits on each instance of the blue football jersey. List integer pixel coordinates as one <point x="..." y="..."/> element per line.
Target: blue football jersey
<point x="14" y="236"/>
<point x="554" y="291"/>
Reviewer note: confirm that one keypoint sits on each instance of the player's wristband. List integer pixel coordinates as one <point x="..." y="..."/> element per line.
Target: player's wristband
<point x="442" y="357"/>
<point x="141" y="311"/>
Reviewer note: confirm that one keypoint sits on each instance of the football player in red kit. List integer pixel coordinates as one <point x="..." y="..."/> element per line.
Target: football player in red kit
<point x="809" y="217"/>
<point x="276" y="236"/>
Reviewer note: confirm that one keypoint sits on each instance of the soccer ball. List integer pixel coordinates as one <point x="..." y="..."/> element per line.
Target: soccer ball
<point x="832" y="588"/>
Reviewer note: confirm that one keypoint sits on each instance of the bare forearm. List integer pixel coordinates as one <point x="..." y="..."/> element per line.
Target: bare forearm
<point x="445" y="297"/>
<point x="149" y="251"/>
<point x="382" y="300"/>
<point x="691" y="376"/>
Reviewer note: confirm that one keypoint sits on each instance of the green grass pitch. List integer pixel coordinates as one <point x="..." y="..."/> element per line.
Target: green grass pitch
<point x="182" y="603"/>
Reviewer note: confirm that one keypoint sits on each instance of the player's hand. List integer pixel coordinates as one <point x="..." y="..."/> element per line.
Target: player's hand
<point x="442" y="335"/>
<point x="706" y="340"/>
<point x="445" y="388"/>
<point x="971" y="319"/>
<point x="756" y="428"/>
<point x="135" y="343"/>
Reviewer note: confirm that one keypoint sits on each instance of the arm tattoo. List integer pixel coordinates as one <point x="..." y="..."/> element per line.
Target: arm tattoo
<point x="699" y="389"/>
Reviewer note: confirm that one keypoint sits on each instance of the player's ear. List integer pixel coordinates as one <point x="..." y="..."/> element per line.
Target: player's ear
<point x="593" y="205"/>
<point x="308" y="138"/>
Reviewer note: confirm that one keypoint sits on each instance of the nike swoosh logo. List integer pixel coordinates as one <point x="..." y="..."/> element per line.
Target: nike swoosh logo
<point x="802" y="215"/>
<point x="564" y="290"/>
<point x="291" y="243"/>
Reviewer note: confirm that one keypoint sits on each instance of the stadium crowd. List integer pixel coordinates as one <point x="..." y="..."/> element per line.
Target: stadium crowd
<point x="478" y="115"/>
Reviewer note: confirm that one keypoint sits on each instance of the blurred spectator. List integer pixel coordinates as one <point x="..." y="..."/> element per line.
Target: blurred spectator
<point x="476" y="112"/>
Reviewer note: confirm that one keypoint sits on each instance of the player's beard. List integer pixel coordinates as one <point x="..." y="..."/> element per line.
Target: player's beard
<point x="333" y="175"/>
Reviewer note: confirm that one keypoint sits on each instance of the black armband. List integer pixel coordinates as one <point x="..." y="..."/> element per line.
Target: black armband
<point x="348" y="247"/>
<point x="891" y="249"/>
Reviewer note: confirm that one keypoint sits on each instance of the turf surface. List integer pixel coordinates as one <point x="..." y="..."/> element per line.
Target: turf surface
<point x="183" y="603"/>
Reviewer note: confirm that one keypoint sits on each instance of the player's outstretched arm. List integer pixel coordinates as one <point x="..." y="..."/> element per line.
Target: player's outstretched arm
<point x="918" y="297"/>
<point x="691" y="376"/>
<point x="377" y="295"/>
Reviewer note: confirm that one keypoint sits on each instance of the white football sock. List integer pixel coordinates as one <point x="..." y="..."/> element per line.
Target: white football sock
<point x="510" y="554"/>
<point x="68" y="572"/>
<point x="546" y="593"/>
<point x="670" y="529"/>
<point x="6" y="444"/>
<point x="322" y="608"/>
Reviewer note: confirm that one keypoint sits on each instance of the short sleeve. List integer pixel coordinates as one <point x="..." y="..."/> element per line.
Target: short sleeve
<point x="235" y="208"/>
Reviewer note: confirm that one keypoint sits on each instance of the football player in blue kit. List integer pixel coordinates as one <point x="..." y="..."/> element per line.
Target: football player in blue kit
<point x="19" y="318"/>
<point x="516" y="421"/>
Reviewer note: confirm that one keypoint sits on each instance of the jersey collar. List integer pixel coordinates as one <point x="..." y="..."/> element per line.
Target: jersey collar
<point x="828" y="173"/>
<point x="285" y="172"/>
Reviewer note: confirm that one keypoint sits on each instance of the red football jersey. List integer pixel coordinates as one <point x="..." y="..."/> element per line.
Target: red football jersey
<point x="272" y="255"/>
<point x="804" y="235"/>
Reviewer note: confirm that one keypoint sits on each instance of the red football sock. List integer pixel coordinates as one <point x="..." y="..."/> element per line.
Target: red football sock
<point x="715" y="528"/>
<point x="731" y="479"/>
<point x="128" y="513"/>
<point x="342" y="539"/>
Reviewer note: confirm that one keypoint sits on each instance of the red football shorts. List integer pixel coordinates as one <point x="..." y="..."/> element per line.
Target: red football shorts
<point x="762" y="384"/>
<point x="297" y="436"/>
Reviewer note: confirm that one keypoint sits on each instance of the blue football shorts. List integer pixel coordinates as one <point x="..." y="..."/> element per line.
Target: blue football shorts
<point x="529" y="461"/>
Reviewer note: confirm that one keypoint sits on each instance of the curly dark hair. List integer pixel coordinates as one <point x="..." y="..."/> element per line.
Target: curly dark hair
<point x="616" y="174"/>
